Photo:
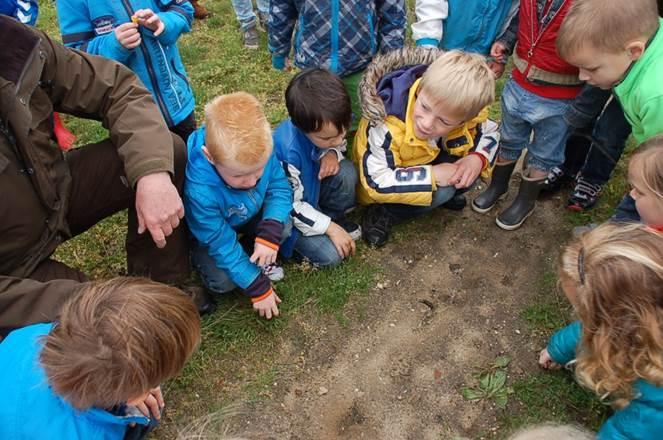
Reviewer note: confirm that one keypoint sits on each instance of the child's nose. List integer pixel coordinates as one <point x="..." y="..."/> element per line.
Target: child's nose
<point x="582" y="75"/>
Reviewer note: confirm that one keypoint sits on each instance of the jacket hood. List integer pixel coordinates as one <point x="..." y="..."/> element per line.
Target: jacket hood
<point x="389" y="76"/>
<point x="198" y="168"/>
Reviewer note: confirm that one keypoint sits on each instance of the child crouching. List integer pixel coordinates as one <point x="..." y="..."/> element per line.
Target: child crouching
<point x="311" y="145"/>
<point x="424" y="134"/>
<point x="96" y="372"/>
<point x="235" y="186"/>
<point x="613" y="277"/>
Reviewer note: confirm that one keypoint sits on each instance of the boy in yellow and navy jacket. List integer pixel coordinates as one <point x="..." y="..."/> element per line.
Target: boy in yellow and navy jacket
<point x="424" y="136"/>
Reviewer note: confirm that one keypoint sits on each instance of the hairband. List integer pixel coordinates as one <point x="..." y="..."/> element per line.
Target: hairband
<point x="581" y="265"/>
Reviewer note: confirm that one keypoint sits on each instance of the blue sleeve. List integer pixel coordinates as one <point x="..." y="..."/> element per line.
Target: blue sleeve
<point x="391" y="24"/>
<point x="562" y="345"/>
<point x="25" y="11"/>
<point x="282" y="16"/>
<point x="78" y="32"/>
<point x="210" y="229"/>
<point x="177" y="16"/>
<point x="278" y="199"/>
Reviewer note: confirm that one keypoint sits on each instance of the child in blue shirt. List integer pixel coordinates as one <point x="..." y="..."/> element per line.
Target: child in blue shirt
<point x="311" y="145"/>
<point x="236" y="188"/>
<point x="141" y="34"/>
<point x="95" y="373"/>
<point x="612" y="276"/>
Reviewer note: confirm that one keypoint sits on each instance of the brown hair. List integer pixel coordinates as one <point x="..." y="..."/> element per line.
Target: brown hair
<point x="607" y="25"/>
<point x="618" y="274"/>
<point x="237" y="130"/>
<point x="117" y="339"/>
<point x="647" y="164"/>
<point x="460" y="81"/>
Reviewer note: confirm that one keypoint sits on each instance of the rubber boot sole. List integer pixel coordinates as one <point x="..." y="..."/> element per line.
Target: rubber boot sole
<point x="475" y="208"/>
<point x="517" y="225"/>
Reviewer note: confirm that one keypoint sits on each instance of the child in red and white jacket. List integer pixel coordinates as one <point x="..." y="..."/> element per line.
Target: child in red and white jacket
<point x="534" y="100"/>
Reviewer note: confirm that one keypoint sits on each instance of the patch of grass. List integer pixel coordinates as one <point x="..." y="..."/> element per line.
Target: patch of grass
<point x="551" y="310"/>
<point x="554" y="396"/>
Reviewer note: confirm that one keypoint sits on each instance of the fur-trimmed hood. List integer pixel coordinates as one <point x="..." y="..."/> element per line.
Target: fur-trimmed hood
<point x="372" y="105"/>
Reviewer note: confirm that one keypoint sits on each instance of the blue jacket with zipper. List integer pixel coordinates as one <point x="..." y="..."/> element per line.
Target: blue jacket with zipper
<point x="89" y="25"/>
<point x="214" y="210"/>
<point x="339" y="35"/>
<point x="642" y="419"/>
<point x="30" y="409"/>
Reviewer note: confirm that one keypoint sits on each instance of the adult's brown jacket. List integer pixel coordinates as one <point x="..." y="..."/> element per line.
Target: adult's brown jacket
<point x="38" y="77"/>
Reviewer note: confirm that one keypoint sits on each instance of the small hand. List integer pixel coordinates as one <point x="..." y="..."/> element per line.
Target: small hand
<point x="547" y="362"/>
<point x="127" y="35"/>
<point x="153" y="404"/>
<point x="329" y="165"/>
<point x="152" y="21"/>
<point x="344" y="244"/>
<point x="498" y="52"/>
<point x="263" y="255"/>
<point x="158" y="206"/>
<point x="467" y="170"/>
<point x="497" y="68"/>
<point x="268" y="307"/>
<point x="443" y="172"/>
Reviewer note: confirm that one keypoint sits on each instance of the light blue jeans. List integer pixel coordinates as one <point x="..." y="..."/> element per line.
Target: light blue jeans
<point x="213" y="277"/>
<point x="337" y="195"/>
<point x="533" y="122"/>
<point x="244" y="12"/>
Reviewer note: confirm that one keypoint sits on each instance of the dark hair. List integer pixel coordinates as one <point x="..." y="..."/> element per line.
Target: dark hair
<point x="316" y="96"/>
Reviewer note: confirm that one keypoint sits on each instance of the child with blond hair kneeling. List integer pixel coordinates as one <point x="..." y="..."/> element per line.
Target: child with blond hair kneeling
<point x="236" y="188"/>
<point x="613" y="277"/>
<point x="95" y="373"/>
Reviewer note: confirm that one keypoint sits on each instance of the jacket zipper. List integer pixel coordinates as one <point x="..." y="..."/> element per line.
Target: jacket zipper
<point x="150" y="71"/>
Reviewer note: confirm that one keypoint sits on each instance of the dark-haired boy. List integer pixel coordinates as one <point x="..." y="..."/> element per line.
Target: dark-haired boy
<point x="311" y="145"/>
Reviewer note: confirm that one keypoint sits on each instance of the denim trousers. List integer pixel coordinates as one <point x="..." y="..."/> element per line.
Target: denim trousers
<point x="533" y="122"/>
<point x="244" y="12"/>
<point x="626" y="211"/>
<point x="608" y="135"/>
<point x="215" y="278"/>
<point x="337" y="196"/>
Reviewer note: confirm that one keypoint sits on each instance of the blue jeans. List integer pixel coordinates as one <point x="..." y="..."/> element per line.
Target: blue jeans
<point x="215" y="278"/>
<point x="524" y="113"/>
<point x="244" y="12"/>
<point x="337" y="195"/>
<point x="608" y="135"/>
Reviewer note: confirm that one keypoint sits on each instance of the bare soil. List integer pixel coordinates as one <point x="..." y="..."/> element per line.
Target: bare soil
<point x="447" y="302"/>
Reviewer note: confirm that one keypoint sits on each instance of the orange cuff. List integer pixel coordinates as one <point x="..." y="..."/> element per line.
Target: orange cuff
<point x="269" y="244"/>
<point x="263" y="296"/>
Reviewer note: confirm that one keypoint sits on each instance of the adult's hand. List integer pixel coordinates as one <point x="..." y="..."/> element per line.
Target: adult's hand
<point x="159" y="206"/>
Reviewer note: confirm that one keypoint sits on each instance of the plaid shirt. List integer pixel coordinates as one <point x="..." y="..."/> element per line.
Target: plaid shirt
<point x="339" y="35"/>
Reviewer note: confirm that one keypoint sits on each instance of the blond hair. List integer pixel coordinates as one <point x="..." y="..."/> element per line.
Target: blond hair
<point x="237" y="130"/>
<point x="618" y="274"/>
<point x="461" y="82"/>
<point x="117" y="339"/>
<point x="606" y="25"/>
<point x="549" y="431"/>
<point x="647" y="164"/>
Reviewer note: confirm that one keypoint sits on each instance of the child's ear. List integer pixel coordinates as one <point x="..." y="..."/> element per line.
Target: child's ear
<point x="635" y="49"/>
<point x="207" y="155"/>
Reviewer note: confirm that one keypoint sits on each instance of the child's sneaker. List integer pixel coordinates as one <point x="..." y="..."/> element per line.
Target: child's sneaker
<point x="251" y="38"/>
<point x="554" y="180"/>
<point x="584" y="196"/>
<point x="352" y="228"/>
<point x="273" y="271"/>
<point x="376" y="225"/>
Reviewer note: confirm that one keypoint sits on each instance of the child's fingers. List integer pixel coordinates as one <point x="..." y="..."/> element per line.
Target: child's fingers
<point x="277" y="299"/>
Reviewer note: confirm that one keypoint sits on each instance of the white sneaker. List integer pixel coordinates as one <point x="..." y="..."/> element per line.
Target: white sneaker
<point x="273" y="271"/>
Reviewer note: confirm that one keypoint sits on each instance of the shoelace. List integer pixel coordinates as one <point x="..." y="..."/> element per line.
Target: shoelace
<point x="554" y="174"/>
